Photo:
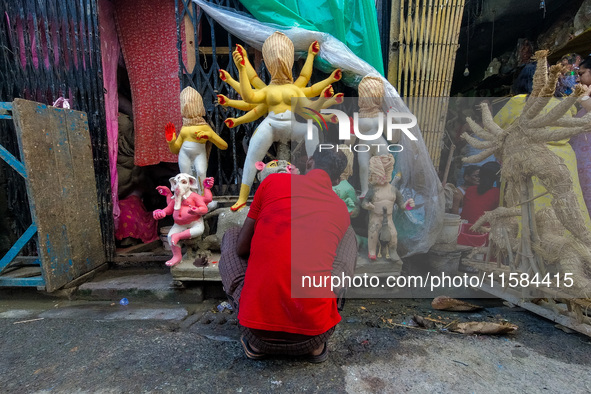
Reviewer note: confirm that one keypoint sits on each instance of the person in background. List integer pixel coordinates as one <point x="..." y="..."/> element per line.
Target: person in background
<point x="584" y="78"/>
<point x="568" y="79"/>
<point x="484" y="196"/>
<point x="471" y="178"/>
<point x="581" y="143"/>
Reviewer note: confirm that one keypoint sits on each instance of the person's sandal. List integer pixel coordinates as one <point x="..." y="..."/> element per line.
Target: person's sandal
<point x="249" y="352"/>
<point x="320" y="358"/>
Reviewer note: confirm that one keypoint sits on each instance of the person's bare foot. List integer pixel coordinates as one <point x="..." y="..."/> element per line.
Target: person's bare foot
<point x="319" y="355"/>
<point x="318" y="350"/>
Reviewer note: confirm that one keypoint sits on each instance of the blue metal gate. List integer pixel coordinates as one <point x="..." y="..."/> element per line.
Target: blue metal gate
<point x="19" y="168"/>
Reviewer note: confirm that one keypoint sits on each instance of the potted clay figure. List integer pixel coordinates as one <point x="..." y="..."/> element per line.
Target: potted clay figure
<point x="192" y="142"/>
<point x="371" y="96"/>
<point x="380" y="201"/>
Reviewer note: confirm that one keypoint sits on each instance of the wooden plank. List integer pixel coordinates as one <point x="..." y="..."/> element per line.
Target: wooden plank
<point x="5" y="106"/>
<point x="139" y="247"/>
<point x="576" y="317"/>
<point x="55" y="147"/>
<point x="442" y="48"/>
<point x="401" y="47"/>
<point x="5" y="110"/>
<point x="140" y="257"/>
<point x="225" y="51"/>
<point x="33" y="126"/>
<point x="453" y="45"/>
<point x="414" y="40"/>
<point x="87" y="276"/>
<point x="66" y="192"/>
<point x="36" y="281"/>
<point x="407" y="46"/>
<point x="394" y="50"/>
<point x="89" y="252"/>
<point x="190" y="37"/>
<point x="27" y="259"/>
<point x="421" y="50"/>
<point x="426" y="48"/>
<point x="24" y="272"/>
<point x="567" y="321"/>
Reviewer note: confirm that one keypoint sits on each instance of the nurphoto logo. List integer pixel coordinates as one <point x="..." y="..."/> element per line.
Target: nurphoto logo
<point x="394" y="121"/>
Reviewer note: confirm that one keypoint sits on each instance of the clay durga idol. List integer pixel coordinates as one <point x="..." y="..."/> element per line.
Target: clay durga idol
<point x="187" y="208"/>
<point x="274" y="101"/>
<point x="193" y="143"/>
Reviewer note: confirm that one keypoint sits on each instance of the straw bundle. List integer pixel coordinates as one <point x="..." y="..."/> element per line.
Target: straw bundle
<point x="556" y="246"/>
<point x="348" y="171"/>
<point x="278" y="53"/>
<point x="371" y="95"/>
<point x="503" y="231"/>
<point x="522" y="150"/>
<point x="379" y="168"/>
<point x="192" y="107"/>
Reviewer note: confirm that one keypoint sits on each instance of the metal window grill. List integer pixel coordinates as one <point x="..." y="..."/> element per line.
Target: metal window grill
<point x="51" y="49"/>
<point x="213" y="48"/>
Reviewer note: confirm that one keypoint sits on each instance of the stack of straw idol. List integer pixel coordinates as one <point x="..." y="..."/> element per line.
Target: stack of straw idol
<point x="522" y="150"/>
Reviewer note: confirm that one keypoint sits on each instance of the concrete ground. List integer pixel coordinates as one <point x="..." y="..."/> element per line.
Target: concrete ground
<point x="168" y="340"/>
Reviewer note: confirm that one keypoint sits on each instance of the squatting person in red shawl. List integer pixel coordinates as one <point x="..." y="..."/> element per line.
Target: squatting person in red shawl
<point x="296" y="227"/>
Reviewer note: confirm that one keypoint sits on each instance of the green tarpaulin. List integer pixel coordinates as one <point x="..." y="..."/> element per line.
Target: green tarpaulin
<point x="353" y="22"/>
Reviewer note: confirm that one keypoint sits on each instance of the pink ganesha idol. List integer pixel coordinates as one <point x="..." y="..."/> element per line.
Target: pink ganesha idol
<point x="187" y="208"/>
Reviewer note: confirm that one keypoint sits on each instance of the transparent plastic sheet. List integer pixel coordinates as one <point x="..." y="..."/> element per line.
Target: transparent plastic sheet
<point x="417" y="229"/>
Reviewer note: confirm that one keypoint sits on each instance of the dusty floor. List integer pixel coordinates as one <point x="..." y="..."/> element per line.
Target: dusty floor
<point x="61" y="346"/>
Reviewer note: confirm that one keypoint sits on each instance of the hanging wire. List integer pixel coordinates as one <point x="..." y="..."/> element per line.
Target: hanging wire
<point x="466" y="70"/>
<point x="492" y="38"/>
<point x="476" y="8"/>
<point x="543" y="7"/>
<point x="468" y="39"/>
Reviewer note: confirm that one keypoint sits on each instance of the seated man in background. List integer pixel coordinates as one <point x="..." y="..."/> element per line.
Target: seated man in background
<point x="296" y="226"/>
<point x="471" y="178"/>
<point x="484" y="196"/>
